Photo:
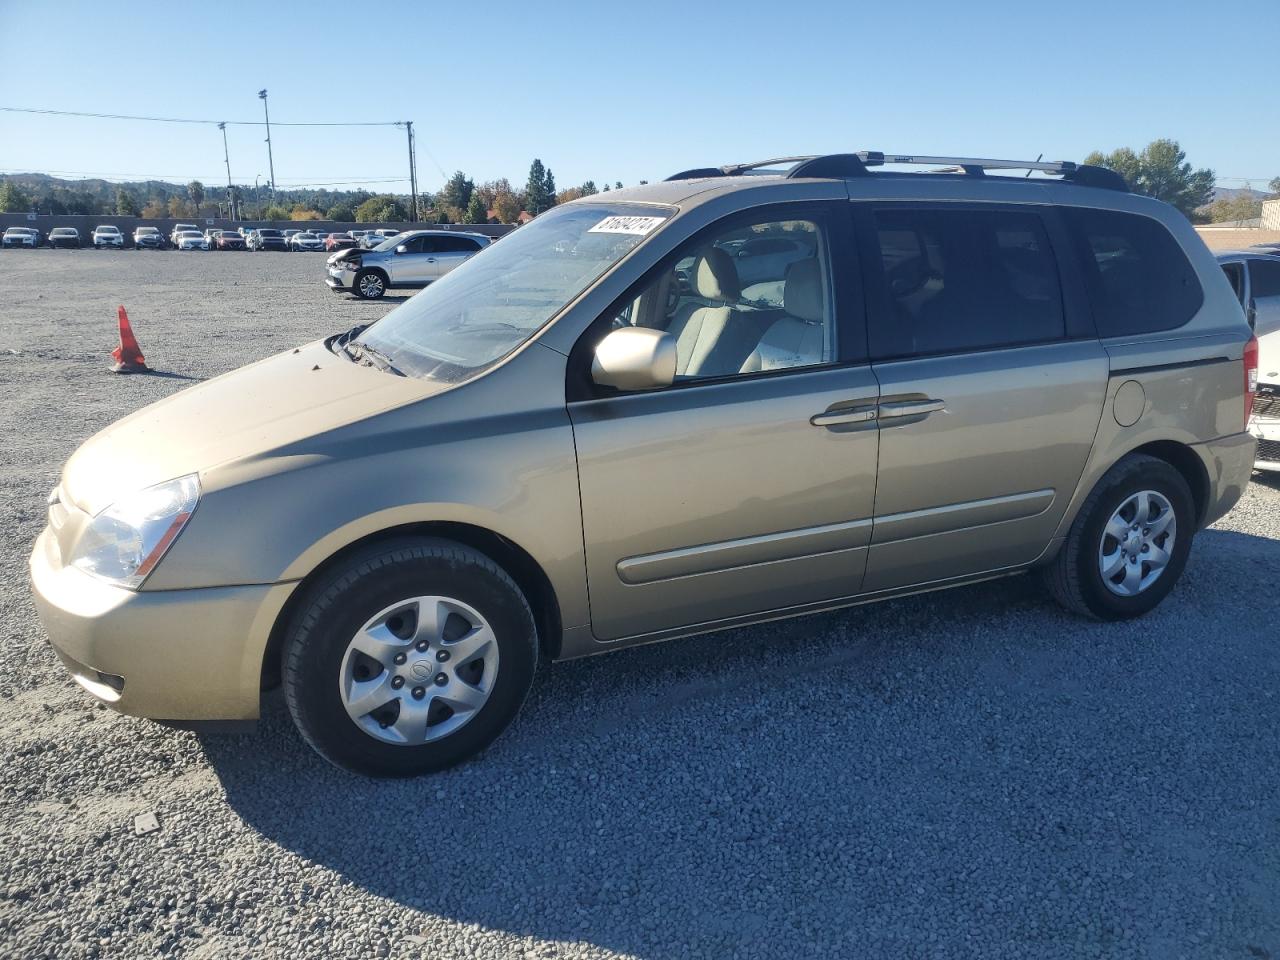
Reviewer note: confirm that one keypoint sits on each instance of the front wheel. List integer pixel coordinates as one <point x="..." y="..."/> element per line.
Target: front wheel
<point x="410" y="657"/>
<point x="370" y="284"/>
<point x="1129" y="543"/>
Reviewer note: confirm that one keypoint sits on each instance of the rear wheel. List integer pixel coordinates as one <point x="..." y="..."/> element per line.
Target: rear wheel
<point x="409" y="657"/>
<point x="1128" y="545"/>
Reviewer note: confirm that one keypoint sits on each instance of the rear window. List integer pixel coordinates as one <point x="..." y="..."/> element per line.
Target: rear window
<point x="1137" y="277"/>
<point x="961" y="280"/>
<point x="1264" y="278"/>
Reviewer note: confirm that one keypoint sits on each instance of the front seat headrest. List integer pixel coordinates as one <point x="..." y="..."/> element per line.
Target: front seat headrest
<point x="802" y="291"/>
<point x="715" y="277"/>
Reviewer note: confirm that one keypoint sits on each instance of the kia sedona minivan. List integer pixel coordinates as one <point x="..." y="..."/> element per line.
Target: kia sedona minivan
<point x="744" y="393"/>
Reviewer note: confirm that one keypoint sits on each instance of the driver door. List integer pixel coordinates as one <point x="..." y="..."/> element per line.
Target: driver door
<point x="749" y="484"/>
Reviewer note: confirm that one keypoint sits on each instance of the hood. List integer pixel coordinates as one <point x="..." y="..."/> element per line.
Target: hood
<point x="276" y="402"/>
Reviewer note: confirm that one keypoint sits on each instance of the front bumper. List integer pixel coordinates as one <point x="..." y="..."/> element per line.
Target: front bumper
<point x="162" y="654"/>
<point x="339" y="279"/>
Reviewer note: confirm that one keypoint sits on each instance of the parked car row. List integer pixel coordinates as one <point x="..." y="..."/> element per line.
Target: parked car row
<point x="188" y="236"/>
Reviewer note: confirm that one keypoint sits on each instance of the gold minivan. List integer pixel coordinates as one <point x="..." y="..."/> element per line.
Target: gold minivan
<point x="744" y="393"/>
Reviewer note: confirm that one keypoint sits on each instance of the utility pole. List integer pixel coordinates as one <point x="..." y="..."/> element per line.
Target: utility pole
<point x="413" y="173"/>
<point x="262" y="95"/>
<point x="226" y="155"/>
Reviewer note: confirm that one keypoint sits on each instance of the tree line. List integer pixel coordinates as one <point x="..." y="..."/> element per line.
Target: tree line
<point x="460" y="200"/>
<point x="1159" y="170"/>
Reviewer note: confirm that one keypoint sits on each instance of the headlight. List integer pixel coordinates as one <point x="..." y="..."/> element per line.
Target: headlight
<point x="125" y="541"/>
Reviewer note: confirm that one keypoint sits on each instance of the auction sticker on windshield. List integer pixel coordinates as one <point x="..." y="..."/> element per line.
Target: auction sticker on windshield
<point x="636" y="226"/>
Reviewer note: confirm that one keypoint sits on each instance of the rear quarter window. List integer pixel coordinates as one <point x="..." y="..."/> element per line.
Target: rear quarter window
<point x="1137" y="277"/>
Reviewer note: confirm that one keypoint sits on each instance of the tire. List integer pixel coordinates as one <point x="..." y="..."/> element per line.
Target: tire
<point x="1075" y="577"/>
<point x="318" y="654"/>
<point x="369" y="284"/>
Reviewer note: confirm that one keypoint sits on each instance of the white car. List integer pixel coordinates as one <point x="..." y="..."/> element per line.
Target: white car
<point x="191" y="240"/>
<point x="306" y="240"/>
<point x="107" y="236"/>
<point x="180" y="228"/>
<point x="21" y="237"/>
<point x="1255" y="277"/>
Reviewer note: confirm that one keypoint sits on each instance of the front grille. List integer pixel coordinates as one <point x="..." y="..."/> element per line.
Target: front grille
<point x="1267" y="404"/>
<point x="1269" y="450"/>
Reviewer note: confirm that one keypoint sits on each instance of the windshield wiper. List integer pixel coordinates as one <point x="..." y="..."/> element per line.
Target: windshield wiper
<point x="375" y="356"/>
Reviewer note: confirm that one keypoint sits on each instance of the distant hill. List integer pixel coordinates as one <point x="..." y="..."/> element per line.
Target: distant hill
<point x="1230" y="193"/>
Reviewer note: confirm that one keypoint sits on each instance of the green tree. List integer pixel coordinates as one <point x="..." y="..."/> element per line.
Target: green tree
<point x="195" y="190"/>
<point x="617" y="184"/>
<point x="155" y="209"/>
<point x="506" y="207"/>
<point x="1274" y="185"/>
<point x="50" y="204"/>
<point x="126" y="203"/>
<point x="477" y="212"/>
<point x="380" y="209"/>
<point x="275" y="211"/>
<point x="1160" y="171"/>
<point x="13" y="199"/>
<point x="588" y="189"/>
<point x="550" y="186"/>
<point x="536" y="198"/>
<point x="342" y="212"/>
<point x="457" y="192"/>
<point x="179" y="208"/>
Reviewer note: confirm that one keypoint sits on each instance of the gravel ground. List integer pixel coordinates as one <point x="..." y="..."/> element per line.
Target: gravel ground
<point x="969" y="773"/>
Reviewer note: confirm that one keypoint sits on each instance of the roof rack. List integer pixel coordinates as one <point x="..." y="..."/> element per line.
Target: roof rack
<point x="839" y="165"/>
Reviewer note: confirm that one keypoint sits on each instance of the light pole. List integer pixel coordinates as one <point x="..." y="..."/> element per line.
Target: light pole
<point x="413" y="173"/>
<point x="262" y="95"/>
<point x="226" y="155"/>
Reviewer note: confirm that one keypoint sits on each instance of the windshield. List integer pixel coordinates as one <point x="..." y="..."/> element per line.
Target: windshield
<point x="108" y="229"/>
<point x="390" y="243"/>
<point x="190" y="233"/>
<point x="25" y="231"/>
<point x="268" y="233"/>
<point x="63" y="232"/>
<point x="479" y="312"/>
<point x="147" y="230"/>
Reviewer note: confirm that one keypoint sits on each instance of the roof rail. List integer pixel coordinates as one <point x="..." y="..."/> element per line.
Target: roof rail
<point x="839" y="165"/>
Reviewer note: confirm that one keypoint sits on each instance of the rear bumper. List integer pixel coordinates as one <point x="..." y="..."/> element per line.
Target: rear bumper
<point x="165" y="654"/>
<point x="1229" y="464"/>
<point x="1267" y="432"/>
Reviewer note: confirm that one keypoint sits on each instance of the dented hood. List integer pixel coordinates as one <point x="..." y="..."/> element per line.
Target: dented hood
<point x="274" y="403"/>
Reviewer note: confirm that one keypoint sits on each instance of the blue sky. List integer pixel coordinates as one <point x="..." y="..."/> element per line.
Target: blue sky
<point x="630" y="91"/>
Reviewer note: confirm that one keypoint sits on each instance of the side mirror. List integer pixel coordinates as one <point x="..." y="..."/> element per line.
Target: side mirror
<point x="1251" y="313"/>
<point x="403" y="248"/>
<point x="635" y="358"/>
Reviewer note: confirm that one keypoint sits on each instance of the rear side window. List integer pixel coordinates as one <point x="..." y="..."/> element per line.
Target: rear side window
<point x="961" y="280"/>
<point x="1264" y="278"/>
<point x="457" y="245"/>
<point x="1235" y="274"/>
<point x="1137" y="277"/>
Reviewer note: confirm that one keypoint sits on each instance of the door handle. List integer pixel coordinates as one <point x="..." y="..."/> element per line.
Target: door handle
<point x="833" y="418"/>
<point x="910" y="408"/>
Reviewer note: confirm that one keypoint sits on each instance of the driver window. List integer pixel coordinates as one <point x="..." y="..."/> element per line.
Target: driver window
<point x="750" y="299"/>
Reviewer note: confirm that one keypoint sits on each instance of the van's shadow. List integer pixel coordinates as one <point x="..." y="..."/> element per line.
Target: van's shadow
<point x="752" y="784"/>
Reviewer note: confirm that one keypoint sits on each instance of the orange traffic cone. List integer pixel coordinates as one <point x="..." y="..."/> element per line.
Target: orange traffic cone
<point x="128" y="356"/>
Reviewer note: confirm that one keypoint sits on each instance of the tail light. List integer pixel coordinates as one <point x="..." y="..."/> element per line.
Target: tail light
<point x="1250" y="378"/>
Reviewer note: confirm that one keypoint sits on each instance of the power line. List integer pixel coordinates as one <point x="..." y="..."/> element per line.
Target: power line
<point x="345" y="178"/>
<point x="238" y="123"/>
